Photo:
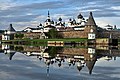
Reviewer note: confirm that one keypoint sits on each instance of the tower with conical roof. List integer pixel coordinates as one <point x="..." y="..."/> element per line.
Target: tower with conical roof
<point x="90" y="65"/>
<point x="91" y="27"/>
<point x="9" y="33"/>
<point x="10" y="30"/>
<point x="90" y="60"/>
<point x="91" y="21"/>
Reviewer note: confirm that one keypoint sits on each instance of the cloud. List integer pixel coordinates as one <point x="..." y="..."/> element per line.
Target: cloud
<point x="21" y="12"/>
<point x="115" y="7"/>
<point x="6" y="4"/>
<point x="43" y="5"/>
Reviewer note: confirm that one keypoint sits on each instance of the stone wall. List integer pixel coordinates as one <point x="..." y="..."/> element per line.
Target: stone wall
<point x="34" y="35"/>
<point x="108" y="34"/>
<point x="74" y="34"/>
<point x="33" y="48"/>
<point x="73" y="51"/>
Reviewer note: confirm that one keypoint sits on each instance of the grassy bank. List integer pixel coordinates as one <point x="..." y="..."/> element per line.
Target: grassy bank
<point x="43" y="41"/>
<point x="64" y="40"/>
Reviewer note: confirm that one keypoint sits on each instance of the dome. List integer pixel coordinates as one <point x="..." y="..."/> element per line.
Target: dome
<point x="80" y="16"/>
<point x="60" y="19"/>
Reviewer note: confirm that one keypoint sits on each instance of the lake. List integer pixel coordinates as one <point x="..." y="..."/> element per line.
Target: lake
<point x="20" y="62"/>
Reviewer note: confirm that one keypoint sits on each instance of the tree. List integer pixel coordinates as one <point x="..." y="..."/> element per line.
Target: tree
<point x="52" y="33"/>
<point x="19" y="35"/>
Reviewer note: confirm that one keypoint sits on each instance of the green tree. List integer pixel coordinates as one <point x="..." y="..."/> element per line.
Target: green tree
<point x="19" y="35"/>
<point x="52" y="33"/>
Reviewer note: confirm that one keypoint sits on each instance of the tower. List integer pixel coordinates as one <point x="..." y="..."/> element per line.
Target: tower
<point x="48" y="20"/>
<point x="48" y="24"/>
<point x="9" y="33"/>
<point x="91" y="27"/>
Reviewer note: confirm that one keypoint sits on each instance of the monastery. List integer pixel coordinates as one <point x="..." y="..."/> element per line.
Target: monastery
<point x="79" y="28"/>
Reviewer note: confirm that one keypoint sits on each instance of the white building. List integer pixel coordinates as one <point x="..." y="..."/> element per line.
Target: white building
<point x="29" y="29"/>
<point x="60" y="24"/>
<point x="49" y="24"/>
<point x="110" y="27"/>
<point x="78" y="24"/>
<point x="7" y="50"/>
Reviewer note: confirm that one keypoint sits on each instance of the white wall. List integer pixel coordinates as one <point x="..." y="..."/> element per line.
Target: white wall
<point x="5" y="37"/>
<point x="91" y="36"/>
<point x="91" y="50"/>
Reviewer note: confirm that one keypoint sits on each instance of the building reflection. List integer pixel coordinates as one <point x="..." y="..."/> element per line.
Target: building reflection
<point x="8" y="50"/>
<point x="77" y="57"/>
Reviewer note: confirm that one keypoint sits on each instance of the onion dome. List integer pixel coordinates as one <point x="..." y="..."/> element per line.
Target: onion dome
<point x="40" y="24"/>
<point x="70" y="19"/>
<point x="80" y="16"/>
<point x="60" y="19"/>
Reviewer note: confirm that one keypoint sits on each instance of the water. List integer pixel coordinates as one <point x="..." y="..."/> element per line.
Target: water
<point x="59" y="63"/>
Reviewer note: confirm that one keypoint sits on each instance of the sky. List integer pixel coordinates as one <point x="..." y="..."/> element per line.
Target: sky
<point x="30" y="13"/>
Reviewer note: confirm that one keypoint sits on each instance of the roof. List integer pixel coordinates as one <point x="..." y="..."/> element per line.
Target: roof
<point x="49" y="26"/>
<point x="10" y="55"/>
<point x="60" y="24"/>
<point x="108" y="26"/>
<point x="10" y="28"/>
<point x="91" y="21"/>
<point x="48" y="20"/>
<point x="90" y="65"/>
<point x="33" y="28"/>
<point x="79" y="26"/>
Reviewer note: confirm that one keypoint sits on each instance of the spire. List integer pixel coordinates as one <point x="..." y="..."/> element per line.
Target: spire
<point x="91" y="21"/>
<point x="47" y="71"/>
<point x="79" y="68"/>
<point x="90" y="65"/>
<point x="48" y="14"/>
<point x="11" y="28"/>
<point x="10" y="55"/>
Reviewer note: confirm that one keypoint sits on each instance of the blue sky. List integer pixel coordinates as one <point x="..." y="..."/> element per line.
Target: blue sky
<point x="24" y="13"/>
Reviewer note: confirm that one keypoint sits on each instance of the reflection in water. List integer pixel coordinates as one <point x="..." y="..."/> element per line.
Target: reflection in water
<point x="78" y="57"/>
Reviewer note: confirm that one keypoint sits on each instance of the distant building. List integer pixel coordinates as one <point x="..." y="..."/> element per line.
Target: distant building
<point x="80" y="21"/>
<point x="8" y="50"/>
<point x="110" y="27"/>
<point x="29" y="29"/>
<point x="9" y="33"/>
<point x="60" y="25"/>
